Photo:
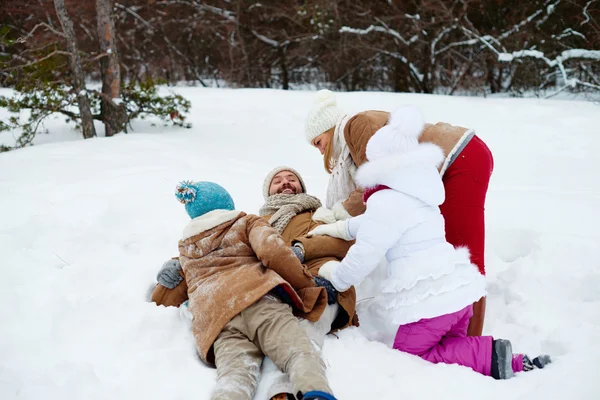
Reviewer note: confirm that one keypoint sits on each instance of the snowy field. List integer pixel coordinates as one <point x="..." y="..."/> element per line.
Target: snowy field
<point x="85" y="225"/>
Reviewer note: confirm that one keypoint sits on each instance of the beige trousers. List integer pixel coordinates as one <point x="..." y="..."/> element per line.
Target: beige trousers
<point x="278" y="381"/>
<point x="269" y="328"/>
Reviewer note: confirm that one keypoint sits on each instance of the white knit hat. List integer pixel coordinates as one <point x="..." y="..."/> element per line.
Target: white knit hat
<point x="323" y="115"/>
<point x="270" y="175"/>
<point x="400" y="135"/>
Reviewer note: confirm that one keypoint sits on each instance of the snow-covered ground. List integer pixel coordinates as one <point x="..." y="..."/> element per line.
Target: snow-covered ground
<point x="85" y="225"/>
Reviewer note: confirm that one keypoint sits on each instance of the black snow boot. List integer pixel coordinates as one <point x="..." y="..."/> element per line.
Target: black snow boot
<point x="539" y="362"/>
<point x="502" y="359"/>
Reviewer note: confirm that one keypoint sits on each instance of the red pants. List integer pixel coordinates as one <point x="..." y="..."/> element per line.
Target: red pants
<point x="466" y="183"/>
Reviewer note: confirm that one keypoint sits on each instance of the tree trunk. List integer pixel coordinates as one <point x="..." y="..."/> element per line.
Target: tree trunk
<point x="113" y="114"/>
<point x="285" y="80"/>
<point x="87" y="122"/>
<point x="490" y="75"/>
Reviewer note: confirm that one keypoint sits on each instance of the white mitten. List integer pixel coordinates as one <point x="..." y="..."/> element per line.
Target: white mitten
<point x="324" y="215"/>
<point x="340" y="212"/>
<point x="337" y="230"/>
<point x="326" y="272"/>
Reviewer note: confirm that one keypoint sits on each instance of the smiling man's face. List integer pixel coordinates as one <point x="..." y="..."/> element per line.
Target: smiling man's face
<point x="285" y="182"/>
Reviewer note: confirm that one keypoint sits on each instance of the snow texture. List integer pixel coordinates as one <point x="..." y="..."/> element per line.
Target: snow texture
<point x="85" y="226"/>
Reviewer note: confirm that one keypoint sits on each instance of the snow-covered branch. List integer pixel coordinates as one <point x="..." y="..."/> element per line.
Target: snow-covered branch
<point x="227" y="14"/>
<point x="558" y="62"/>
<point x="550" y="8"/>
<point x="283" y="43"/>
<point x="435" y="41"/>
<point x="569" y="32"/>
<point x="564" y="56"/>
<point x="381" y="29"/>
<point x="415" y="71"/>
<point x="483" y="39"/>
<point x="585" y="12"/>
<point x="265" y="39"/>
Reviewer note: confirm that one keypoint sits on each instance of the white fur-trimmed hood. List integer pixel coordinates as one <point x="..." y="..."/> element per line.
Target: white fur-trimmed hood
<point x="426" y="154"/>
<point x="398" y="136"/>
<point x="208" y="221"/>
<point x="414" y="173"/>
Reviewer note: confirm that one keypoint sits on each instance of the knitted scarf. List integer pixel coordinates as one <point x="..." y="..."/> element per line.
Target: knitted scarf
<point x="284" y="207"/>
<point x="341" y="181"/>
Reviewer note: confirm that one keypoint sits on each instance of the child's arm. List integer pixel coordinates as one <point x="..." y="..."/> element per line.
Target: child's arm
<point x="163" y="296"/>
<point x="353" y="224"/>
<point x="276" y="255"/>
<point x="171" y="289"/>
<point x="345" y="229"/>
<point x="377" y="231"/>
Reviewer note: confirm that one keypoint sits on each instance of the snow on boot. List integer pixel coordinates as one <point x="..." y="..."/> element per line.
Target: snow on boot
<point x="539" y="362"/>
<point x="315" y="395"/>
<point x="501" y="359"/>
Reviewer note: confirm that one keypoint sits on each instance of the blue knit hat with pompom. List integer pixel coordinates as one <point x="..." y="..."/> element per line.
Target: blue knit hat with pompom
<point x="203" y="197"/>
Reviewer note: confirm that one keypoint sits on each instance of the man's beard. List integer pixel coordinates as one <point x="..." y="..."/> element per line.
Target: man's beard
<point x="287" y="189"/>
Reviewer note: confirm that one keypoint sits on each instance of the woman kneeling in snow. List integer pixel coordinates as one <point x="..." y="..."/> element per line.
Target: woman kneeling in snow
<point x="425" y="302"/>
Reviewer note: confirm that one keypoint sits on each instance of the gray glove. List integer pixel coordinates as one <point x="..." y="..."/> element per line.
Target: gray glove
<point x="168" y="276"/>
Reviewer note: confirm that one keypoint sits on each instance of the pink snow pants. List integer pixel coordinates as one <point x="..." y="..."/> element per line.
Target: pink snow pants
<point x="444" y="340"/>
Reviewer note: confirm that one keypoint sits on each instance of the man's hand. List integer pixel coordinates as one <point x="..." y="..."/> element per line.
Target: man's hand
<point x="336" y="230"/>
<point x="168" y="276"/>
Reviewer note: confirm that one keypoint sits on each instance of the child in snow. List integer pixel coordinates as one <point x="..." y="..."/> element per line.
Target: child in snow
<point x="425" y="302"/>
<point x="243" y="282"/>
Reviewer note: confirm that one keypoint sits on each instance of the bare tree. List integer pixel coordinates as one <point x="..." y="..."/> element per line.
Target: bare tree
<point x="113" y="113"/>
<point x="78" y="80"/>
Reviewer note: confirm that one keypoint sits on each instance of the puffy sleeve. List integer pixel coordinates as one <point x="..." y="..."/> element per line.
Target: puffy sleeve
<point x="274" y="254"/>
<point x="353" y="224"/>
<point x="377" y="231"/>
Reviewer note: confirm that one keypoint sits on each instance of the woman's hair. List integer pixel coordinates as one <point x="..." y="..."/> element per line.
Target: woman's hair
<point x="328" y="161"/>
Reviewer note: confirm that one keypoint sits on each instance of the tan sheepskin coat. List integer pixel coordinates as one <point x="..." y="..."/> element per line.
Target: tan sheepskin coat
<point x="230" y="260"/>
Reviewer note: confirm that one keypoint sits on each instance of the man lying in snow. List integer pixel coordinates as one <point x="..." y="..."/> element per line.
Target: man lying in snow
<point x="244" y="286"/>
<point x="293" y="213"/>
